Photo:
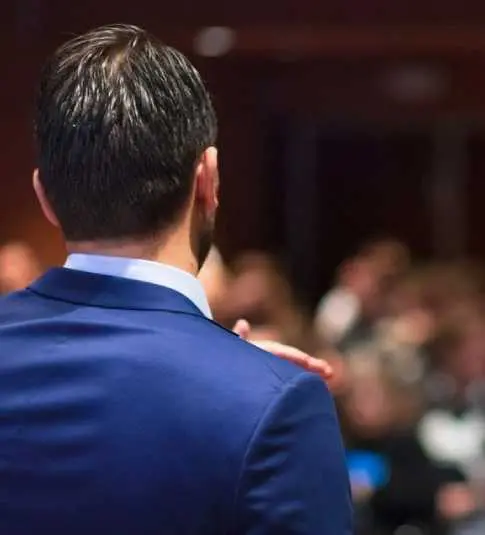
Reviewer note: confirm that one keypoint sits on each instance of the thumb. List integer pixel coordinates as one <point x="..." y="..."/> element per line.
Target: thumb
<point x="242" y="329"/>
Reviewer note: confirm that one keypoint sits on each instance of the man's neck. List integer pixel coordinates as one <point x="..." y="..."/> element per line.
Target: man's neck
<point x="172" y="252"/>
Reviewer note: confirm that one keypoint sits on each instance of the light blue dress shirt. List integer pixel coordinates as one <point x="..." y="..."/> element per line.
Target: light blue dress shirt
<point x="145" y="271"/>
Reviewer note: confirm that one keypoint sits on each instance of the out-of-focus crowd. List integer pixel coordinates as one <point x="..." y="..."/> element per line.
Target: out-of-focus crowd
<point x="407" y="343"/>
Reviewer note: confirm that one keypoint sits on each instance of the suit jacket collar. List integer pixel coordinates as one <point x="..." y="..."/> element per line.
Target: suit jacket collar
<point x="105" y="291"/>
<point x="145" y="271"/>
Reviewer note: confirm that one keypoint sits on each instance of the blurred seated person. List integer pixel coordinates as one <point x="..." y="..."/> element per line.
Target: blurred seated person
<point x="394" y="483"/>
<point x="18" y="267"/>
<point x="454" y="429"/>
<point x="261" y="294"/>
<point x="347" y="314"/>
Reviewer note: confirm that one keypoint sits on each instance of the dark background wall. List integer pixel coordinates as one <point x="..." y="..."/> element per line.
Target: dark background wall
<point x="318" y="149"/>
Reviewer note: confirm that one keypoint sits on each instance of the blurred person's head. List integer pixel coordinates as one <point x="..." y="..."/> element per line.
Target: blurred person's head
<point x="388" y="260"/>
<point x="18" y="267"/>
<point x="362" y="278"/>
<point x="258" y="284"/>
<point x="260" y="292"/>
<point x="390" y="255"/>
<point x="409" y="319"/>
<point x="384" y="392"/>
<point x="408" y="293"/>
<point x="450" y="286"/>
<point x="459" y="348"/>
<point x="125" y="131"/>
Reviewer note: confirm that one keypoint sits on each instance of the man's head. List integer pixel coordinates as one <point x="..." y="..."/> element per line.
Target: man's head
<point x="125" y="132"/>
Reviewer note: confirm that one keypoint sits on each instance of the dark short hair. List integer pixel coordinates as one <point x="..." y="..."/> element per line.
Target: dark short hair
<point x="121" y="121"/>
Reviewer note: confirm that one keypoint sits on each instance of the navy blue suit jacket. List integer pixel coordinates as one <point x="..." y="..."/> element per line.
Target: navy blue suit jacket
<point x="124" y="411"/>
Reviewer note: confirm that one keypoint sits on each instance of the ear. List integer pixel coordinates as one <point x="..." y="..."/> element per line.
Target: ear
<point x="42" y="198"/>
<point x="207" y="182"/>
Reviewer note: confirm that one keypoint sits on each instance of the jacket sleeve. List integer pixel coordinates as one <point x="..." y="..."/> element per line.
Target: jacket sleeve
<point x="294" y="479"/>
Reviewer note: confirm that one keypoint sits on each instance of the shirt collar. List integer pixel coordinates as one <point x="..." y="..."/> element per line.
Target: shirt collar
<point x="145" y="271"/>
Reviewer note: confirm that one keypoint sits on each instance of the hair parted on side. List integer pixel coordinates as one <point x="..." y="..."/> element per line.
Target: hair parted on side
<point x="121" y="120"/>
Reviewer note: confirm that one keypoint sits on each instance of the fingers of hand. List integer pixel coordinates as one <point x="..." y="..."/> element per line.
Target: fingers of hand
<point x="321" y="367"/>
<point x="242" y="329"/>
<point x="318" y="366"/>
